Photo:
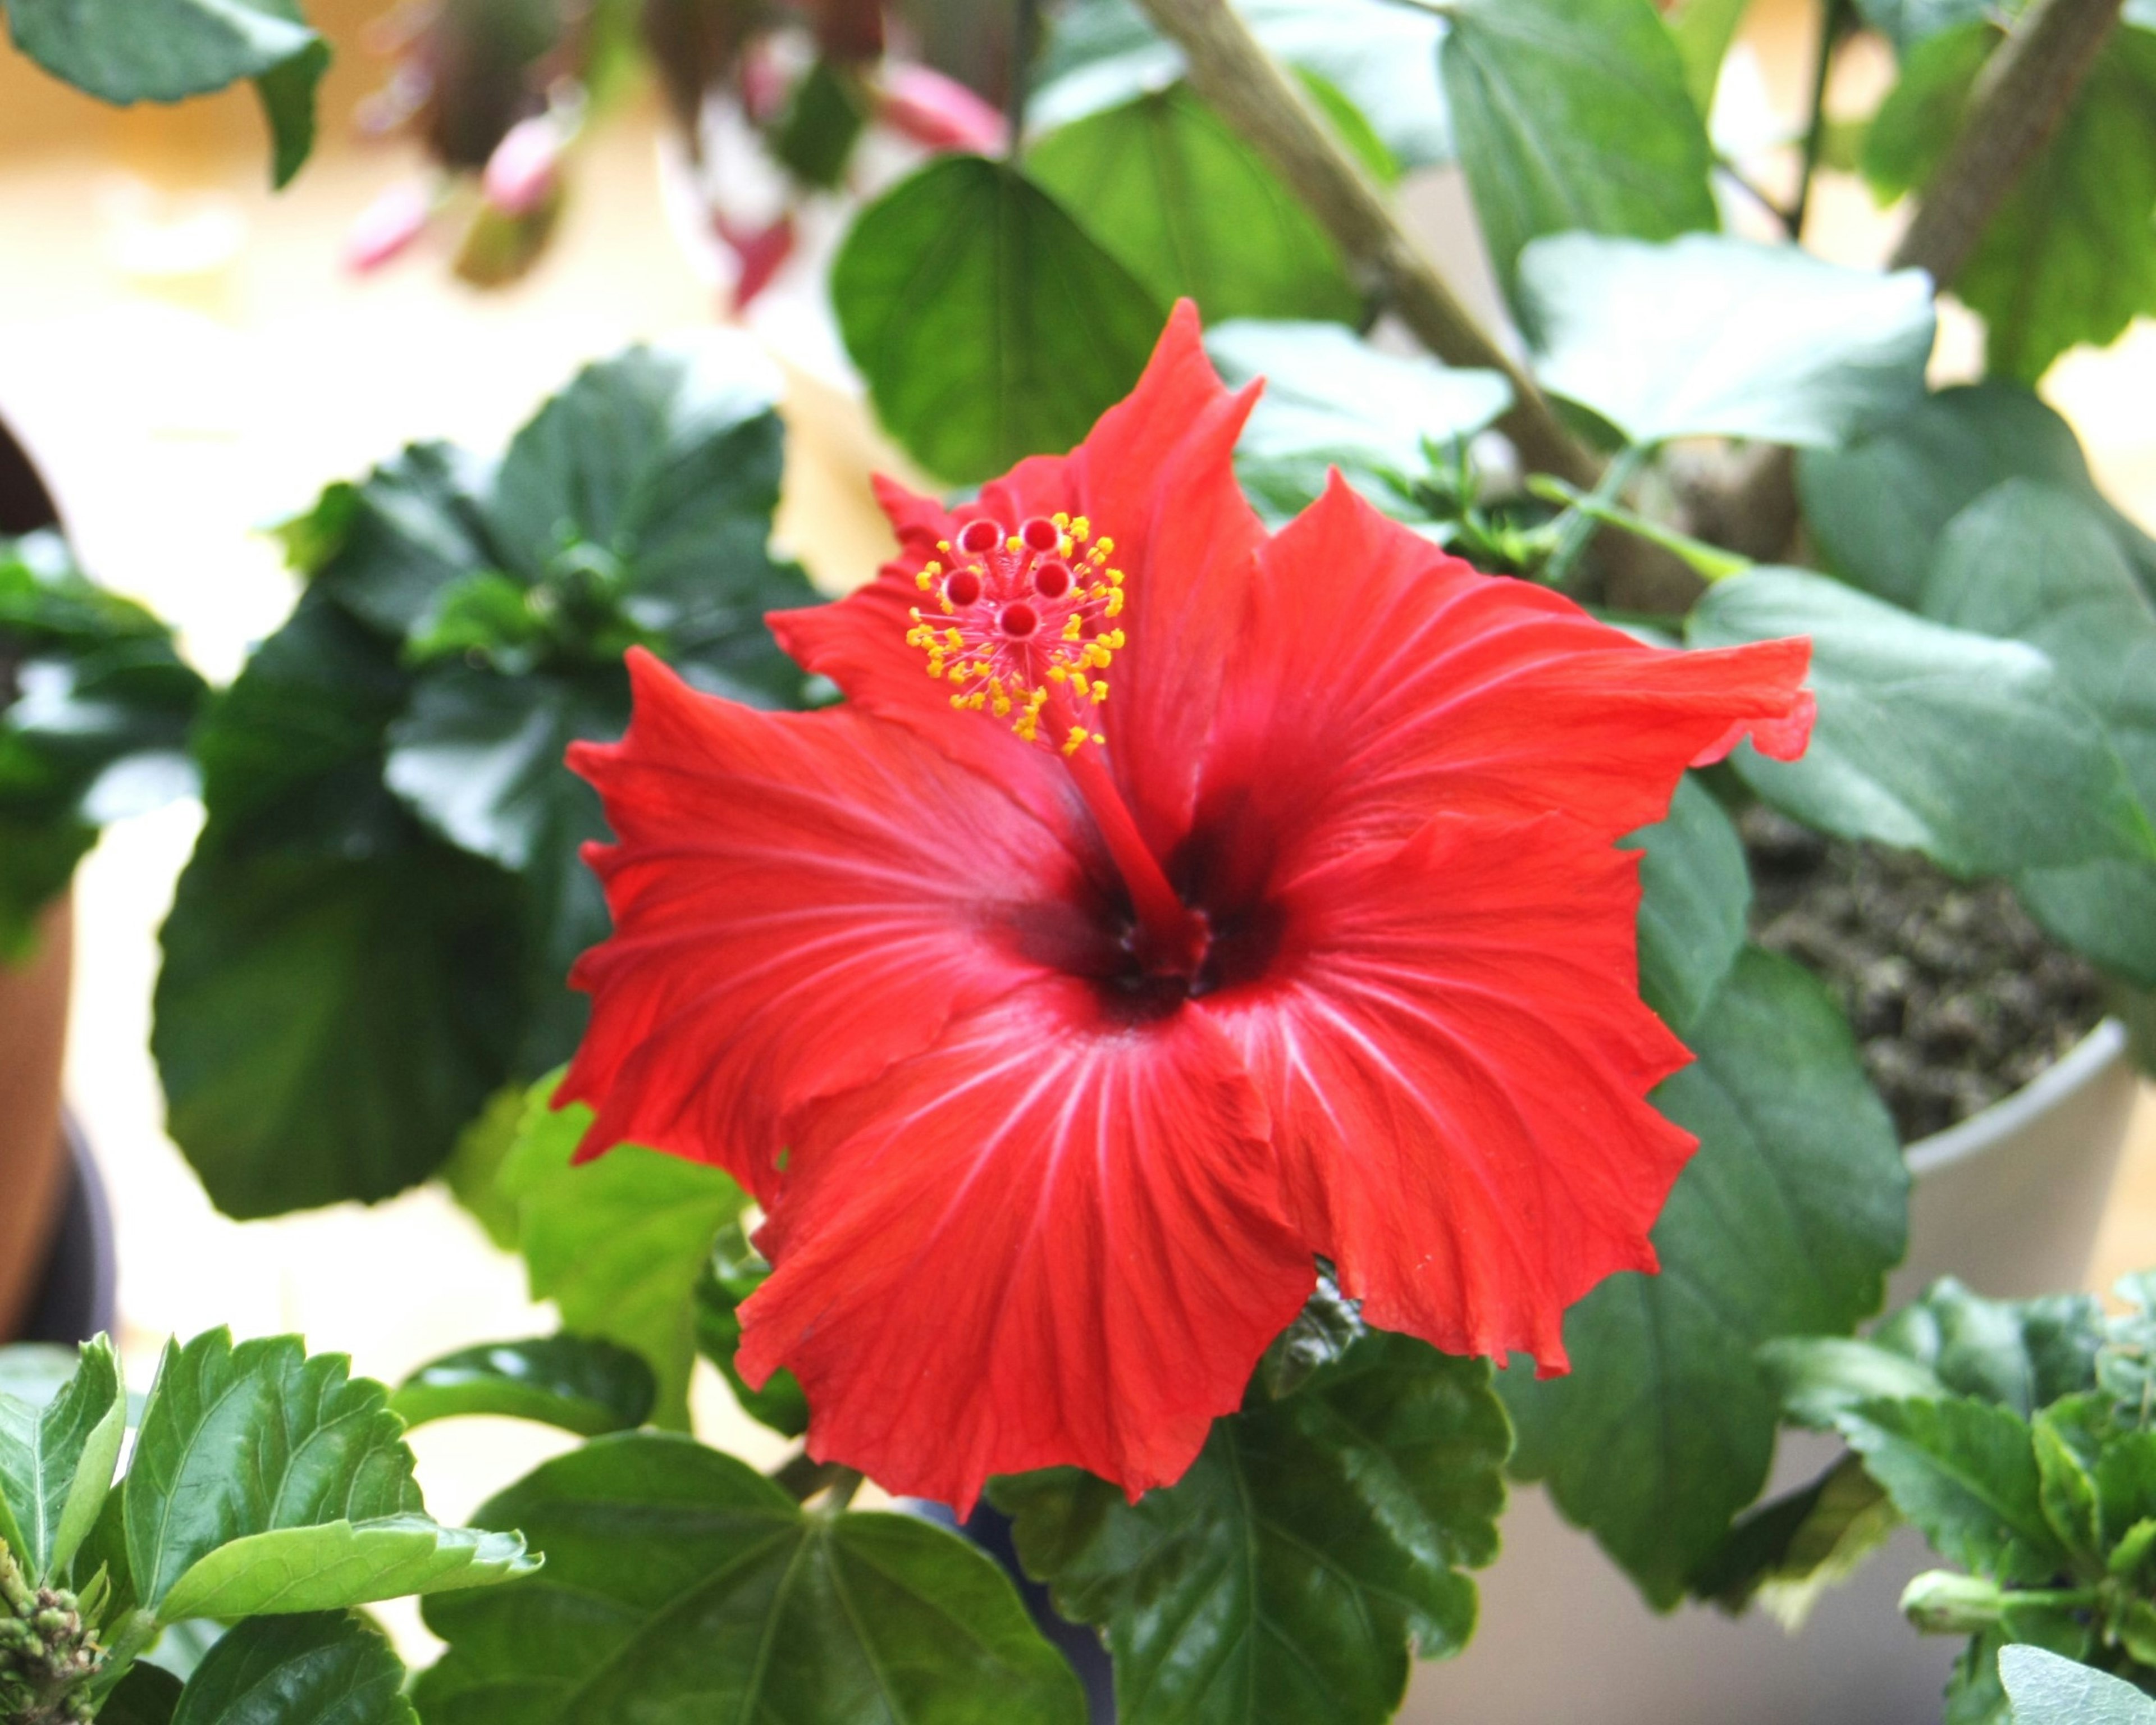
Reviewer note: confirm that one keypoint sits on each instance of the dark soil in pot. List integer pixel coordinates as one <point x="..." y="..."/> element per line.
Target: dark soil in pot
<point x="1956" y="997"/>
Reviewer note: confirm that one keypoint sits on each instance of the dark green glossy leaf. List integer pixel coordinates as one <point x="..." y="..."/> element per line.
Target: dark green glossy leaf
<point x="577" y="1383"/>
<point x="1332" y="400"/>
<point x="325" y="1668"/>
<point x="1172" y="192"/>
<point x="822" y="126"/>
<point x="264" y="1480"/>
<point x="56" y="1461"/>
<point x="384" y="547"/>
<point x="1326" y="1327"/>
<point x="735" y="1271"/>
<point x="2020" y="1353"/>
<point x="1974" y="751"/>
<point x="988" y="325"/>
<point x="1573" y="114"/>
<point x="128" y="51"/>
<point x="680" y="1585"/>
<point x="619" y="1244"/>
<point x="652" y="478"/>
<point x="1710" y="336"/>
<point x="146" y="1696"/>
<point x="1787" y="1554"/>
<point x="2047" y="1690"/>
<point x="1964" y="1473"/>
<point x="37" y="860"/>
<point x="1877" y="509"/>
<point x="1283" y="1578"/>
<point x="1381" y="56"/>
<point x="1695" y="893"/>
<point x="1784" y="1223"/>
<point x="2034" y="562"/>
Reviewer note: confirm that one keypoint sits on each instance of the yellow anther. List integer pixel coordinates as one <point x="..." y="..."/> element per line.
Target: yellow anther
<point x="1115" y="577"/>
<point x="1071" y="625"/>
<point x="1074" y="740"/>
<point x="1065" y="547"/>
<point x="1014" y="543"/>
<point x="1078" y="685"/>
<point x="947" y="607"/>
<point x="924" y="580"/>
<point x="1099" y="740"/>
<point x="1115" y="606"/>
<point x="1081" y="530"/>
<point x="1062" y="518"/>
<point x="1100" y="691"/>
<point x="1106" y="546"/>
<point x="1114" y="638"/>
<point x="1056" y="674"/>
<point x="956" y="640"/>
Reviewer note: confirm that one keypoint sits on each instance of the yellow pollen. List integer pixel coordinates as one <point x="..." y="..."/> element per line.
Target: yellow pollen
<point x="1115" y="607"/>
<point x="1100" y="691"/>
<point x="924" y="580"/>
<point x="1105" y="546"/>
<point x="1072" y="625"/>
<point x="1081" y="530"/>
<point x="1074" y="740"/>
<point x="956" y="641"/>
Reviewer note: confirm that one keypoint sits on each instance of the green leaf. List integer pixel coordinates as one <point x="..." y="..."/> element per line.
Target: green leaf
<point x="1789" y="1553"/>
<point x="1332" y="400"/>
<point x="1818" y="1378"/>
<point x="56" y="1461"/>
<point x="146" y="1696"/>
<point x="2020" y="1353"/>
<point x="1906" y="22"/>
<point x="1974" y="751"/>
<point x="1909" y="135"/>
<point x="129" y="51"/>
<point x="1964" y="1473"/>
<point x="2033" y="562"/>
<point x="384" y="547"/>
<point x="1696" y="895"/>
<point x="654" y="475"/>
<point x="1326" y="1327"/>
<point x="577" y="1383"/>
<point x="1784" y="1223"/>
<point x="822" y="126"/>
<point x="340" y="987"/>
<point x="2047" y="1690"/>
<point x="1381" y="56"/>
<point x="734" y="1272"/>
<point x="1704" y="29"/>
<point x="325" y="1668"/>
<point x="2071" y="256"/>
<point x="1170" y="191"/>
<point x="988" y="326"/>
<point x="332" y="1564"/>
<point x="681" y="1585"/>
<point x="2068" y="1437"/>
<point x="266" y="1480"/>
<point x="1710" y="336"/>
<point x="1876" y="510"/>
<point x="1283" y="1577"/>
<point x="619" y="1245"/>
<point x="1573" y="114"/>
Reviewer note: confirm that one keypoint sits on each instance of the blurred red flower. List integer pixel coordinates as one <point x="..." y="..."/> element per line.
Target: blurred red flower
<point x="1056" y="1035"/>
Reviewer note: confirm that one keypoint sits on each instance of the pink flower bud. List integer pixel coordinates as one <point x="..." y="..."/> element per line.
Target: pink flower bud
<point x="387" y="226"/>
<point x="521" y="171"/>
<point x="921" y="103"/>
<point x="759" y="252"/>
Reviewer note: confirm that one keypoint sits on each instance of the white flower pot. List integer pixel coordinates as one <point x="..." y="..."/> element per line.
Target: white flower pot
<point x="2010" y="1201"/>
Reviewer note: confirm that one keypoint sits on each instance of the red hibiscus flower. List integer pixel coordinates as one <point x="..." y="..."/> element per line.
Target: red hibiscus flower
<point x="1056" y="1031"/>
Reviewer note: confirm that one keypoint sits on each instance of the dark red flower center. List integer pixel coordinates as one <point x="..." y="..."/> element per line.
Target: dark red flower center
<point x="1018" y="620"/>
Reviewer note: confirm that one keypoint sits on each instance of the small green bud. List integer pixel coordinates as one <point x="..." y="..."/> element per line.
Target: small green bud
<point x="1941" y="1603"/>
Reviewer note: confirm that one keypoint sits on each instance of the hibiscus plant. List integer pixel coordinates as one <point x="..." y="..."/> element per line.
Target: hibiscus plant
<point x="1211" y="1003"/>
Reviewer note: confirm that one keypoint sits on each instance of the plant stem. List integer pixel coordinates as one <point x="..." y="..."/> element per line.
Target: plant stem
<point x="1232" y="72"/>
<point x="1578" y="527"/>
<point x="802" y="1479"/>
<point x="2021" y="95"/>
<point x="1834" y="17"/>
<point x="847" y="1481"/>
<point x="1025" y="40"/>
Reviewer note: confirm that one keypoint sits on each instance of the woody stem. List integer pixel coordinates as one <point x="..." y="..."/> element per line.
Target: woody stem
<point x="1169" y="935"/>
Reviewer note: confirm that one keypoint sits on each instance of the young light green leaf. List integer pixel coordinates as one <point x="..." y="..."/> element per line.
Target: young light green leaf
<point x="1877" y="509"/>
<point x="1784" y="1223"/>
<point x="241" y="1445"/>
<point x="56" y="1461"/>
<point x="1788" y="1555"/>
<point x="2069" y="1438"/>
<point x="618" y="1244"/>
<point x="2047" y="1690"/>
<point x="1820" y="1378"/>
<point x="2020" y="1353"/>
<point x="1381" y="56"/>
<point x="1177" y="197"/>
<point x="325" y="1668"/>
<point x="577" y="1383"/>
<point x="1964" y="1473"/>
<point x="129" y="51"/>
<point x="1708" y="336"/>
<point x="1283" y="1579"/>
<point x="332" y="1564"/>
<point x="1695" y="893"/>
<point x="1704" y="30"/>
<point x="1573" y="114"/>
<point x="1974" y="751"/>
<point x="988" y="325"/>
<point x="1332" y="400"/>
<point x="680" y="1583"/>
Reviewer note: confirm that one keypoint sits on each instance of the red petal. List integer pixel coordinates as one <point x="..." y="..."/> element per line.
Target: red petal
<point x="1454" y="1056"/>
<point x="1156" y="475"/>
<point x="1381" y="681"/>
<point x="799" y="900"/>
<point x="1783" y="739"/>
<point x="1055" y="1238"/>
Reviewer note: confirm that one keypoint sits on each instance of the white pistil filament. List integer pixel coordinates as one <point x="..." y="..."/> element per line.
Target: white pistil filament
<point x="1025" y="616"/>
